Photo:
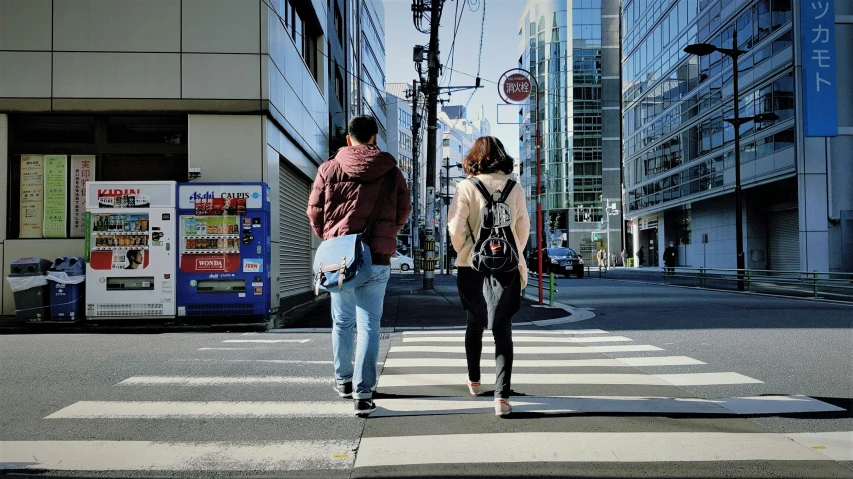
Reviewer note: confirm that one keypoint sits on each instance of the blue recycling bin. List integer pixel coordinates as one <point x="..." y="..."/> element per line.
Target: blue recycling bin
<point x="66" y="278"/>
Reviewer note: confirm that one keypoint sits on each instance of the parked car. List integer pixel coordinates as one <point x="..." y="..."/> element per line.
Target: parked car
<point x="402" y="262"/>
<point x="558" y="261"/>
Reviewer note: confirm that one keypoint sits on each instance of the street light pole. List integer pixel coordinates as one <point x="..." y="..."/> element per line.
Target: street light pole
<point x="702" y="49"/>
<point x="741" y="261"/>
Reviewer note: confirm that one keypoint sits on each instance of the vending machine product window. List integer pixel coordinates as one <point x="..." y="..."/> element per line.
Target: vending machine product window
<point x="120" y="241"/>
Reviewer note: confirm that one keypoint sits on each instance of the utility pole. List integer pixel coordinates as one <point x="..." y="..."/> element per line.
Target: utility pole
<point x="432" y="126"/>
<point x="416" y="185"/>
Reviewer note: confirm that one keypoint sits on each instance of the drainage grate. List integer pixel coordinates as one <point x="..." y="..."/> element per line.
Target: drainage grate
<point x="385" y="336"/>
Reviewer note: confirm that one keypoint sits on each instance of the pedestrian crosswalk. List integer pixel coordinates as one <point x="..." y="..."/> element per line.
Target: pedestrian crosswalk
<point x="570" y="389"/>
<point x="613" y="403"/>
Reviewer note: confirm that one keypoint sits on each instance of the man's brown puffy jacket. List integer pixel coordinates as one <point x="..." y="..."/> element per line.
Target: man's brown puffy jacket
<point x="347" y="190"/>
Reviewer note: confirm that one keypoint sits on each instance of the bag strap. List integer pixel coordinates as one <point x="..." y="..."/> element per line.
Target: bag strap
<point x="507" y="189"/>
<point x="483" y="190"/>
<point x="387" y="184"/>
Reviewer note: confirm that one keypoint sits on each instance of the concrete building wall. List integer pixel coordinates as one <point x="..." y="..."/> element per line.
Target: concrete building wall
<point x="716" y="218"/>
<point x="237" y="156"/>
<point x="214" y="58"/>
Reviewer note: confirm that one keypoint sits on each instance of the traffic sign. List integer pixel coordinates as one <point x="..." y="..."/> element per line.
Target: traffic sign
<point x="514" y="86"/>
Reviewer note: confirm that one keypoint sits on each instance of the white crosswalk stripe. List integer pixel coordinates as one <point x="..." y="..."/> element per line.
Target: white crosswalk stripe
<point x="609" y="404"/>
<point x="530" y="350"/>
<point x="544" y="363"/>
<point x="586" y="447"/>
<point x="520" y="339"/>
<point x="176" y="456"/>
<point x="686" y="379"/>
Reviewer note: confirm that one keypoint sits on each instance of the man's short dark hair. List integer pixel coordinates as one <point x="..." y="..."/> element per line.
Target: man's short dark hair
<point x="362" y="128"/>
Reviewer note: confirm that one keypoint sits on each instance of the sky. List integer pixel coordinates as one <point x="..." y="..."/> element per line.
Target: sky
<point x="500" y="52"/>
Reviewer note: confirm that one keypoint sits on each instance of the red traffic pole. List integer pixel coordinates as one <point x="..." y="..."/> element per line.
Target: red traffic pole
<point x="539" y="228"/>
<point x="515" y="94"/>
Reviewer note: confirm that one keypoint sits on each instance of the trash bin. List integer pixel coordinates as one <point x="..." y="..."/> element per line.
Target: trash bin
<point x="29" y="286"/>
<point x="66" y="278"/>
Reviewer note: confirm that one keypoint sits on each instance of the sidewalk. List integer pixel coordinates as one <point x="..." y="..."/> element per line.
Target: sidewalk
<point x="407" y="305"/>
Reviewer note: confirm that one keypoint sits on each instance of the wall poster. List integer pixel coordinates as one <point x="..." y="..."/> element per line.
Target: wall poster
<point x="32" y="196"/>
<point x="55" y="196"/>
<point x="82" y="172"/>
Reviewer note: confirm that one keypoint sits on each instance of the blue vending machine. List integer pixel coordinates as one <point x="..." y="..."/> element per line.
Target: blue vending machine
<point x="224" y="250"/>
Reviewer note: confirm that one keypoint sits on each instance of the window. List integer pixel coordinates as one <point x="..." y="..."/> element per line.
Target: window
<point x="124" y="148"/>
<point x="339" y="23"/>
<point x="305" y="35"/>
<point x="339" y="85"/>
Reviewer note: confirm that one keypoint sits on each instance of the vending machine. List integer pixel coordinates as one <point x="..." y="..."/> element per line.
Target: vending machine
<point x="224" y="250"/>
<point x="130" y="249"/>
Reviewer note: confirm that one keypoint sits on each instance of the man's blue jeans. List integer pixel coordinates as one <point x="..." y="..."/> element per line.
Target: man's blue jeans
<point x="360" y="309"/>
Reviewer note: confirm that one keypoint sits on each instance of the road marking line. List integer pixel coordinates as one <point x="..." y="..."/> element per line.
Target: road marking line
<point x="268" y="341"/>
<point x="837" y="446"/>
<point x="202" y="409"/>
<point x="544" y="363"/>
<point x="685" y="379"/>
<point x="530" y="447"/>
<point x="707" y="379"/>
<point x="272" y="361"/>
<point x="176" y="456"/>
<point x="220" y="380"/>
<point x="523" y="339"/>
<point x="231" y="349"/>
<point x="561" y="332"/>
<point x="606" y="405"/>
<point x="530" y="350"/>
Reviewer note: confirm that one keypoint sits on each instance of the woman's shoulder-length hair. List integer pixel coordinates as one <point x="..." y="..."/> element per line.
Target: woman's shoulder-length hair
<point x="487" y="155"/>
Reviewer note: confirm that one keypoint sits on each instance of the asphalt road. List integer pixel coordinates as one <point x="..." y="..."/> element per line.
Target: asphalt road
<point x="623" y="394"/>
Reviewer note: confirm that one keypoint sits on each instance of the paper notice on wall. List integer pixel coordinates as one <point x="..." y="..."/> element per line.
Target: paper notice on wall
<point x="55" y="196"/>
<point x="32" y="196"/>
<point x="82" y="172"/>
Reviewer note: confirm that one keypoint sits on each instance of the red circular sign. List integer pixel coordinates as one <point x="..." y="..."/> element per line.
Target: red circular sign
<point x="517" y="87"/>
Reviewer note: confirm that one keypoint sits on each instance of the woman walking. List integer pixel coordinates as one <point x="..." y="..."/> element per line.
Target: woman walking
<point x="489" y="299"/>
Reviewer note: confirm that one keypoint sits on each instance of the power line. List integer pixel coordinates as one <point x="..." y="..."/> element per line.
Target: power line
<point x="457" y="19"/>
<point x="480" y="54"/>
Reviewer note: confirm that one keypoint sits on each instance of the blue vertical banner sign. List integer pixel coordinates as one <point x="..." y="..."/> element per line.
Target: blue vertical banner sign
<point x="820" y="97"/>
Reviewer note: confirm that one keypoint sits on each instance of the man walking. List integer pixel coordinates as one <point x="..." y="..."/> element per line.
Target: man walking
<point x="347" y="189"/>
<point x="670" y="257"/>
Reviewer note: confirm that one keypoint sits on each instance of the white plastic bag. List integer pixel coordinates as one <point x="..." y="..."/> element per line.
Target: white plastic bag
<point x="23" y="283"/>
<point x="63" y="278"/>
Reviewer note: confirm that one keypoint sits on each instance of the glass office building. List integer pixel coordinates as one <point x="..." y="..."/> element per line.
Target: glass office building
<point x="367" y="77"/>
<point x="678" y="152"/>
<point x="572" y="49"/>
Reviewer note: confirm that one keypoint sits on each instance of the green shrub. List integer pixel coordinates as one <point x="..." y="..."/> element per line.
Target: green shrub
<point x="630" y="262"/>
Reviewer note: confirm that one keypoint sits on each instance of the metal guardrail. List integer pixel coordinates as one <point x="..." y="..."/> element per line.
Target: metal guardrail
<point x="550" y="284"/>
<point x="813" y="284"/>
<point x="602" y="270"/>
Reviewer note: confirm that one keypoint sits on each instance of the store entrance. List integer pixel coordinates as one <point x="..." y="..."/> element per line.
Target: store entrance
<point x="648" y="241"/>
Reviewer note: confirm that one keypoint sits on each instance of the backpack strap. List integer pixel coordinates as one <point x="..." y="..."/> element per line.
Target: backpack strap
<point x="507" y="189"/>
<point x="483" y="190"/>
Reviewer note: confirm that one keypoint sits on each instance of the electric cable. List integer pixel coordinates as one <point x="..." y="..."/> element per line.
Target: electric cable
<point x="451" y="58"/>
<point x="479" y="55"/>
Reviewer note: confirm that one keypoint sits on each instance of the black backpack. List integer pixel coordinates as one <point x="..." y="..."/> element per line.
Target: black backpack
<point x="495" y="249"/>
